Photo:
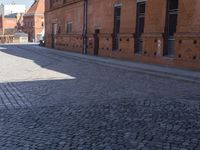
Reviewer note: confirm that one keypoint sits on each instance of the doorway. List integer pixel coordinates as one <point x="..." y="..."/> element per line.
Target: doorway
<point x="96" y="41"/>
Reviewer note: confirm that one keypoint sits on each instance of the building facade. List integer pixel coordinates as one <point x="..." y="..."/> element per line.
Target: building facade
<point x="10" y="21"/>
<point x="163" y="32"/>
<point x="10" y="17"/>
<point x="33" y="21"/>
<point x="9" y="24"/>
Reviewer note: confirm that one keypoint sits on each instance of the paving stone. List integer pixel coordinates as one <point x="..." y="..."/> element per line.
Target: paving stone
<point x="100" y="108"/>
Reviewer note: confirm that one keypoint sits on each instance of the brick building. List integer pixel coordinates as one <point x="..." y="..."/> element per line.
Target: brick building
<point x="33" y="21"/>
<point x="164" y="32"/>
<point x="10" y="16"/>
<point x="9" y="24"/>
<point x="10" y="21"/>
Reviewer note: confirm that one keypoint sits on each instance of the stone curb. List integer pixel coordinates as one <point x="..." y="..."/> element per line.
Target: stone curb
<point x="162" y="71"/>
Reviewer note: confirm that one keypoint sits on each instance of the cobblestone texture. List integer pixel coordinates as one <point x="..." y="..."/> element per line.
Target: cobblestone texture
<point x="100" y="108"/>
<point x="11" y="97"/>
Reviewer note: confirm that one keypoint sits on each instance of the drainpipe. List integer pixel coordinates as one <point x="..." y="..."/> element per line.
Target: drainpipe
<point x="85" y="24"/>
<point x="3" y="24"/>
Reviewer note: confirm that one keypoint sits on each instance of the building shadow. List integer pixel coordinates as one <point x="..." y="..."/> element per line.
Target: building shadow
<point x="63" y="80"/>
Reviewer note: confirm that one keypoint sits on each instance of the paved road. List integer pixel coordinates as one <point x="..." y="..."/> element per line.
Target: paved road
<point x="51" y="101"/>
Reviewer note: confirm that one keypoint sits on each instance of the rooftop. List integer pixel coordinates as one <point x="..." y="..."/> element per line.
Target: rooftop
<point x="36" y="8"/>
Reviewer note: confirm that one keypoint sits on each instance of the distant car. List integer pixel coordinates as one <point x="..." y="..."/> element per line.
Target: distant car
<point x="41" y="43"/>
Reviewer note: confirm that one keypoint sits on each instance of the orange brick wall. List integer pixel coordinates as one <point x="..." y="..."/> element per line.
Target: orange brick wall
<point x="72" y="41"/>
<point x="10" y="22"/>
<point x="101" y="16"/>
<point x="36" y="27"/>
<point x="33" y="19"/>
<point x="28" y="28"/>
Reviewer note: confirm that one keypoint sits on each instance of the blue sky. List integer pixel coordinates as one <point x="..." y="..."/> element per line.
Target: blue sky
<point x="26" y="2"/>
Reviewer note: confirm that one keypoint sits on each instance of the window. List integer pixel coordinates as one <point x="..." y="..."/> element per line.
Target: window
<point x="172" y="16"/>
<point x="59" y="30"/>
<point x="51" y="3"/>
<point x="173" y="4"/>
<point x="171" y="23"/>
<point x="116" y="29"/>
<point x="69" y="27"/>
<point x="140" y="20"/>
<point x="55" y="3"/>
<point x="54" y="29"/>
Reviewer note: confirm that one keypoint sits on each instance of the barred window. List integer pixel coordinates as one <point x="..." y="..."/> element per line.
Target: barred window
<point x="69" y="27"/>
<point x="59" y="30"/>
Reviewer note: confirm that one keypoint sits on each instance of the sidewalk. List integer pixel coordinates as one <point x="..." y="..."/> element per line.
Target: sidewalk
<point x="29" y="43"/>
<point x="163" y="71"/>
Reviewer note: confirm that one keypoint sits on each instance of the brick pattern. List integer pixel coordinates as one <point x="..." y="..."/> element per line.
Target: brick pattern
<point x="186" y="39"/>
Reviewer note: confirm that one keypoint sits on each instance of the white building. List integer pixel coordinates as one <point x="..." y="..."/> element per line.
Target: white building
<point x="12" y="8"/>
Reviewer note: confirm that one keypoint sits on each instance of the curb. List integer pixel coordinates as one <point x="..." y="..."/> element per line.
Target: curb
<point x="141" y="70"/>
<point x="161" y="71"/>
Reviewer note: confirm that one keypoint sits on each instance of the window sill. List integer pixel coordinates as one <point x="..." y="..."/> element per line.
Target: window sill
<point x="169" y="57"/>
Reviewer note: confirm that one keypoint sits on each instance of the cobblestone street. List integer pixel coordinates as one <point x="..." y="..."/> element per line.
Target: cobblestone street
<point x="51" y="101"/>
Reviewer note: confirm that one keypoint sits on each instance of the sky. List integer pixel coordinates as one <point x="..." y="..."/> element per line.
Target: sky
<point x="26" y="2"/>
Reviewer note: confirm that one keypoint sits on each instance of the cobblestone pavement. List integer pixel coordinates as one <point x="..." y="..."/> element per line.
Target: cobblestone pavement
<point x="50" y="101"/>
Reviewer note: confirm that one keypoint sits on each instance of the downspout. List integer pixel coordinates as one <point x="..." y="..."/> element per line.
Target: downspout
<point x="85" y="24"/>
<point x="3" y="24"/>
